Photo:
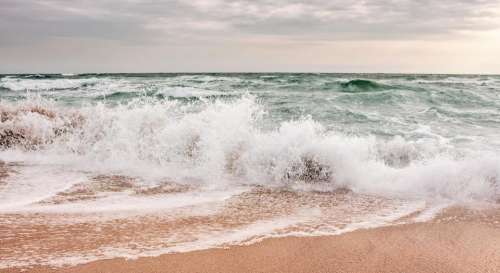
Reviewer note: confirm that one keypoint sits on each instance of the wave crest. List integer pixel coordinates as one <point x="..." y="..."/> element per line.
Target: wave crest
<point x="361" y="86"/>
<point x="45" y="83"/>
<point x="224" y="141"/>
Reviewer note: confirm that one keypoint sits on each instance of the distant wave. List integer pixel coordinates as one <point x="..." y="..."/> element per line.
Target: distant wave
<point x="361" y="86"/>
<point x="45" y="84"/>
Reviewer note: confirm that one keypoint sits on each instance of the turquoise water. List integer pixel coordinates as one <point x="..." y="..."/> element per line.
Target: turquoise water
<point x="462" y="109"/>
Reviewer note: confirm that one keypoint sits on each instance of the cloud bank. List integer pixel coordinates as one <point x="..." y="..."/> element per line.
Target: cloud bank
<point x="175" y="23"/>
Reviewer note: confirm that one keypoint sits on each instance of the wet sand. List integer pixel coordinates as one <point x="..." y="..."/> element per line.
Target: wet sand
<point x="459" y="240"/>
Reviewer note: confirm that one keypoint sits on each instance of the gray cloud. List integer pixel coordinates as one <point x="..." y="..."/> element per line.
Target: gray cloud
<point x="149" y="21"/>
<point x="248" y="35"/>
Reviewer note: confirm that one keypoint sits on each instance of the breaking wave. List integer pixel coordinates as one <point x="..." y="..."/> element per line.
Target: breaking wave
<point x="220" y="142"/>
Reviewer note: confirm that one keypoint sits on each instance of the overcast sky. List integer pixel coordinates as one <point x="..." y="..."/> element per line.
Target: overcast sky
<point x="446" y="36"/>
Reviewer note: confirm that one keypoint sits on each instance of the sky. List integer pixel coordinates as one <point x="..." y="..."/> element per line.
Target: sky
<point x="391" y="36"/>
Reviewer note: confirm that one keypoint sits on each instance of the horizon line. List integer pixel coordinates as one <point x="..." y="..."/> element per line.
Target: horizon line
<point x="247" y="72"/>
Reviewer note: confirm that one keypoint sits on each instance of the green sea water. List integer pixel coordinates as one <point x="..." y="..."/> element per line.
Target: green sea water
<point x="461" y="108"/>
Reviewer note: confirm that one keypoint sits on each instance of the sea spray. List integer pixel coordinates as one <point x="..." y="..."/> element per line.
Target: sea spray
<point x="223" y="141"/>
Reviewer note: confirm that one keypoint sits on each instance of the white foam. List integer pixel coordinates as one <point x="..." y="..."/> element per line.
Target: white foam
<point x="31" y="184"/>
<point x="17" y="84"/>
<point x="124" y="202"/>
<point x="219" y="142"/>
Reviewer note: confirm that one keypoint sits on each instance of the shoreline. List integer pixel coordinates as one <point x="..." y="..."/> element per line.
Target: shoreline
<point x="459" y="240"/>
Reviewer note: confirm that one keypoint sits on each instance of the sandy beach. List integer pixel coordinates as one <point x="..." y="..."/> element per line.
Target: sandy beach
<point x="458" y="240"/>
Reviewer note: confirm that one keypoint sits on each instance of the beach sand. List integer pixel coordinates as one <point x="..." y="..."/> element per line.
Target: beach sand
<point x="458" y="240"/>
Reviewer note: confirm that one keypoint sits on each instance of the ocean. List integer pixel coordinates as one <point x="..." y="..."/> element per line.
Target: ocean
<point x="134" y="165"/>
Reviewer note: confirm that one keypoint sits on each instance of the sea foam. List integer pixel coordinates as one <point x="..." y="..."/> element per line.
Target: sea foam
<point x="224" y="142"/>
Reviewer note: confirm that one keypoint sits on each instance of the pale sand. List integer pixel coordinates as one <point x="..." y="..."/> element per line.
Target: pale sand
<point x="458" y="241"/>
